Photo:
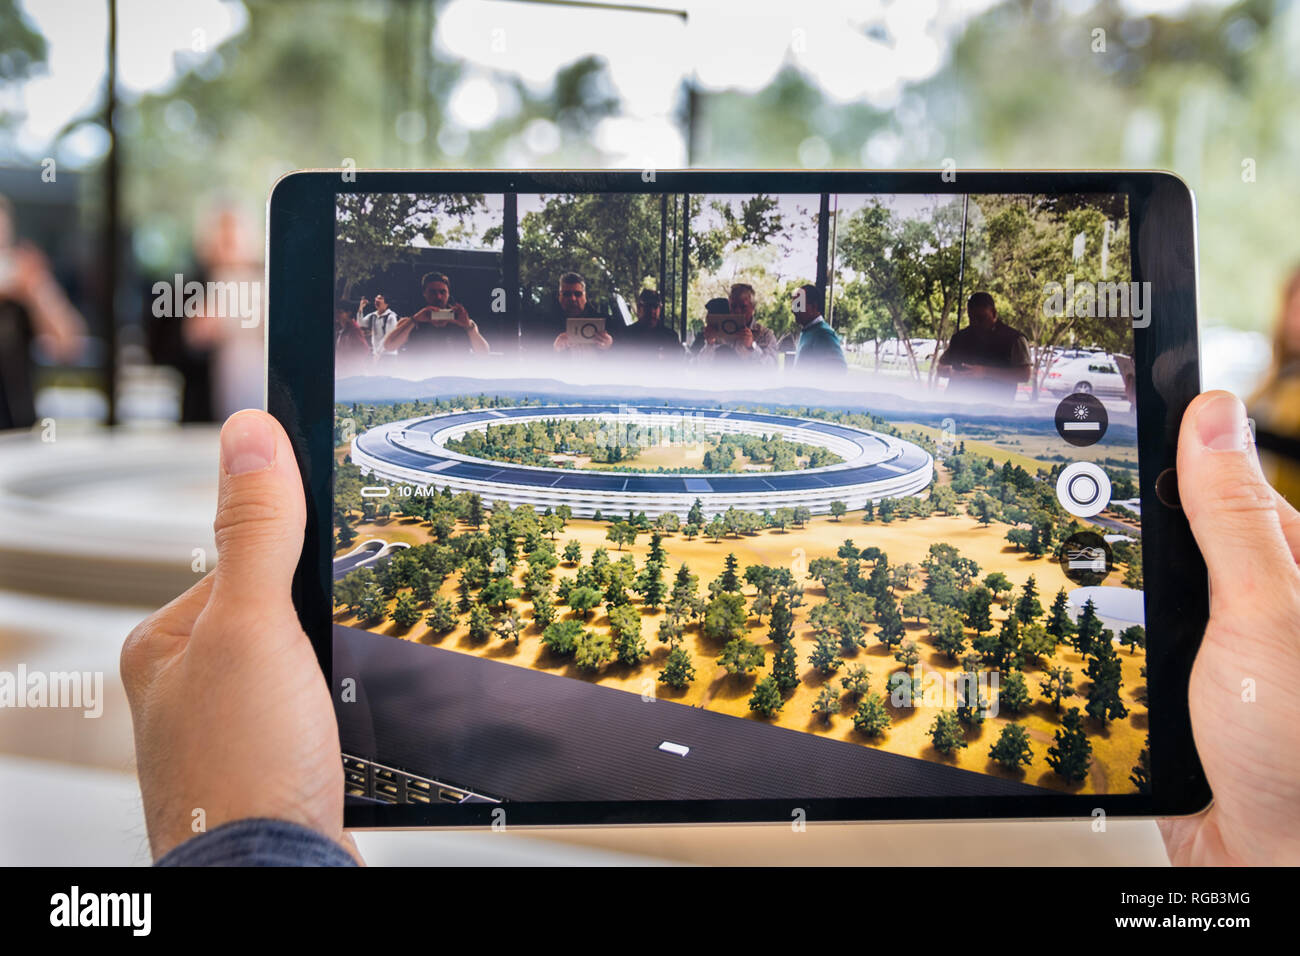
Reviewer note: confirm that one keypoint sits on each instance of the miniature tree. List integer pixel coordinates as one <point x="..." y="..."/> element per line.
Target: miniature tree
<point x="1071" y="756"/>
<point x="1059" y="623"/>
<point x="1028" y="609"/>
<point x="741" y="656"/>
<point x="856" y="681"/>
<point x="1013" y="694"/>
<point x="1057" y="685"/>
<point x="561" y="637"/>
<point x="1105" y="672"/>
<point x="509" y="626"/>
<point x="946" y="733"/>
<point x="826" y="705"/>
<point x="838" y="508"/>
<point x="573" y="553"/>
<point x="1012" y="748"/>
<point x="1089" y="628"/>
<point x="872" y="718"/>
<point x="949" y="636"/>
<point x="406" y="612"/>
<point x="1133" y="637"/>
<point x="766" y="699"/>
<point x="678" y="670"/>
<point x="593" y="649"/>
<point x="480" y="623"/>
<point x="1141" y="775"/>
<point x="825" y="656"/>
<point x="442" y="618"/>
<point x="971" y="704"/>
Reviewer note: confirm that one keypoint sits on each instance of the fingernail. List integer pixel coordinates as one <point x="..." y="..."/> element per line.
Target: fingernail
<point x="247" y="444"/>
<point x="1221" y="424"/>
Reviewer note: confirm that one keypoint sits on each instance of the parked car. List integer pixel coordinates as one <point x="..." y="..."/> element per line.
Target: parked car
<point x="1095" y="374"/>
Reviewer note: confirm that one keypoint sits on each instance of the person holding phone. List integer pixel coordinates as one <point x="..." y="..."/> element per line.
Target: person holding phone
<point x="754" y="342"/>
<point x="441" y="327"/>
<point x="376" y="322"/>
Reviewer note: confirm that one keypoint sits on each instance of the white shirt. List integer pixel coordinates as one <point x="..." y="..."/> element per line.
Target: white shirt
<point x="378" y="325"/>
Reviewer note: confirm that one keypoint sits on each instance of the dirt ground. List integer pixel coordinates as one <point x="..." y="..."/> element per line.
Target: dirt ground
<point x="1115" y="748"/>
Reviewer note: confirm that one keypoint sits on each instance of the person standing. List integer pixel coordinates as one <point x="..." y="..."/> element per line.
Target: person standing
<point x="988" y="359"/>
<point x="376" y="322"/>
<point x="819" y="349"/>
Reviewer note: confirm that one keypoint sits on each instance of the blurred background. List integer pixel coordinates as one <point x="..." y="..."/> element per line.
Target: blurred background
<point x="139" y="140"/>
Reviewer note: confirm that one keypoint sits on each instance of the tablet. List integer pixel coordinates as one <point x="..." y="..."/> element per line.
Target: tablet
<point x="913" y="553"/>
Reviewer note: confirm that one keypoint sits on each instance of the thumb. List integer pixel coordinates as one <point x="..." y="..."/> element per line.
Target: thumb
<point x="260" y="514"/>
<point x="1228" y="503"/>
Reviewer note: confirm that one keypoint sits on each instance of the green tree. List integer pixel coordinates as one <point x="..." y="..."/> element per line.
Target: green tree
<point x="593" y="650"/>
<point x="725" y="617"/>
<point x="480" y="623"/>
<point x="872" y="717"/>
<point x="1013" y="694"/>
<point x="678" y="670"/>
<point x="583" y="599"/>
<point x="766" y="699"/>
<point x="838" y="508"/>
<point x="1028" y="609"/>
<point x="785" y="666"/>
<point x="1071" y="755"/>
<point x="1057" y="685"/>
<point x="1089" y="629"/>
<point x="825" y="656"/>
<point x="1059" y="623"/>
<point x="978" y="603"/>
<point x="573" y="553"/>
<point x="406" y="612"/>
<point x="1012" y="748"/>
<point x="826" y="704"/>
<point x="741" y="656"/>
<point x="1133" y="637"/>
<point x="856" y="681"/>
<point x="948" y="633"/>
<point x="946" y="733"/>
<point x="1105" y="672"/>
<point x="625" y="626"/>
<point x="442" y="618"/>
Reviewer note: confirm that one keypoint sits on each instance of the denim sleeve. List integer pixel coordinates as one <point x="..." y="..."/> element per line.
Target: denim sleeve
<point x="258" y="842"/>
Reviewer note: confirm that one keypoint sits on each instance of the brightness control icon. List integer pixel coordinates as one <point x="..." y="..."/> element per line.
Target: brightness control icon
<point x="1081" y="419"/>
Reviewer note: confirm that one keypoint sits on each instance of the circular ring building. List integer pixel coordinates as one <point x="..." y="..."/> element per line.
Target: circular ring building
<point x="874" y="466"/>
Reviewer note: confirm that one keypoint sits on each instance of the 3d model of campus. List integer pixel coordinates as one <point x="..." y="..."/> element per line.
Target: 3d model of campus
<point x="875" y="582"/>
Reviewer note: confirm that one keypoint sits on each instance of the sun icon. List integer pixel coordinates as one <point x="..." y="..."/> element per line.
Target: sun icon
<point x="1081" y="411"/>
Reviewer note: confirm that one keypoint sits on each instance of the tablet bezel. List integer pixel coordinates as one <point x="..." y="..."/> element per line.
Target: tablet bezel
<point x="300" y="278"/>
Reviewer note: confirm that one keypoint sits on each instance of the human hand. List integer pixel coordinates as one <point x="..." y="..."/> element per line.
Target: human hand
<point x="460" y="316"/>
<point x="1250" y="538"/>
<point x="604" y="340"/>
<point x="365" y="303"/>
<point x="231" y="712"/>
<point x="745" y="339"/>
<point x="561" y="342"/>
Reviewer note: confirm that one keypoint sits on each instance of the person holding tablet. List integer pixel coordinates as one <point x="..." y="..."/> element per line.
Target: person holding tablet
<point x="572" y="299"/>
<point x="273" y="788"/>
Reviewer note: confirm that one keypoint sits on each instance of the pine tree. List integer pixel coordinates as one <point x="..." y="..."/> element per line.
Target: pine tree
<point x="1059" y="623"/>
<point x="1105" y="672"/>
<point x="971" y="704"/>
<point x="766" y="699"/>
<point x="730" y="580"/>
<point x="785" y="666"/>
<point x="869" y="512"/>
<point x="1028" y="608"/>
<point x="1071" y="756"/>
<point x="1141" y="775"/>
